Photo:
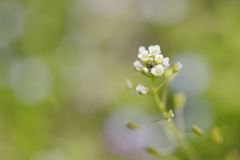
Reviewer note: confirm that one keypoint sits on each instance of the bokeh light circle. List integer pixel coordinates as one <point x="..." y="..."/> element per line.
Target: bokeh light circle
<point x="30" y="80"/>
<point x="193" y="79"/>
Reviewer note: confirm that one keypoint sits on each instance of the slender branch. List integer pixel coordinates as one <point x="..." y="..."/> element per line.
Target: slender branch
<point x="157" y="99"/>
<point x="134" y="126"/>
<point x="185" y="131"/>
<point x="190" y="152"/>
<point x="146" y="74"/>
<point x="164" y="96"/>
<point x="209" y="145"/>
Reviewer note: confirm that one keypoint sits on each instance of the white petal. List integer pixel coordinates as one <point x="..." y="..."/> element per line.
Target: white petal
<point x="140" y="88"/>
<point x="141" y="49"/>
<point x="150" y="49"/>
<point x="159" y="66"/>
<point x="166" y="62"/>
<point x="140" y="55"/>
<point x="153" y="71"/>
<point x="137" y="64"/>
<point x="157" y="47"/>
<point x="179" y="65"/>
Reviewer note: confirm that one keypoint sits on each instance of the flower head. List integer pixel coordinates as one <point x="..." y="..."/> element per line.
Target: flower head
<point x="158" y="70"/>
<point x="154" y="50"/>
<point x="143" y="55"/>
<point x="141" y="89"/>
<point x="138" y="66"/>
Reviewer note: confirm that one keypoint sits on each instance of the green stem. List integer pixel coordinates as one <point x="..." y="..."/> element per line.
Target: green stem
<point x="146" y="74"/>
<point x="190" y="152"/>
<point x="156" y="97"/>
<point x="186" y="131"/>
<point x="151" y="123"/>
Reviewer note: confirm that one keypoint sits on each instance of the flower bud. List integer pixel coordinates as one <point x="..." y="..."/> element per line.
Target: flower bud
<point x="197" y="130"/>
<point x="150" y="59"/>
<point x="179" y="99"/>
<point x="138" y="66"/>
<point x="141" y="89"/>
<point x="168" y="73"/>
<point x="169" y="115"/>
<point x="132" y="125"/>
<point x="216" y="135"/>
<point x="177" y="67"/>
<point x="154" y="152"/>
<point x="145" y="69"/>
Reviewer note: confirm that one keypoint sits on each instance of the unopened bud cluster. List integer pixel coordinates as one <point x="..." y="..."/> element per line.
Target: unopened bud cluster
<point x="169" y="115"/>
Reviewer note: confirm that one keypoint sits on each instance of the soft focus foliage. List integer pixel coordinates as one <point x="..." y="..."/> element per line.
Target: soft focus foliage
<point x="62" y="62"/>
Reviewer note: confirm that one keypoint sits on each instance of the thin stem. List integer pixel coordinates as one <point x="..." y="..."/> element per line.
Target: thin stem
<point x="185" y="131"/>
<point x="209" y="145"/>
<point x="156" y="97"/>
<point x="151" y="123"/>
<point x="146" y="74"/>
<point x="191" y="153"/>
<point x="164" y="96"/>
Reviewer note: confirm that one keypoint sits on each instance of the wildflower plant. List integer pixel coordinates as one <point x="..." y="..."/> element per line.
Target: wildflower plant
<point x="153" y="64"/>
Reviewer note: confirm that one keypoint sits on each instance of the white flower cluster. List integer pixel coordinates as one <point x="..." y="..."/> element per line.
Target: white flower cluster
<point x="154" y="62"/>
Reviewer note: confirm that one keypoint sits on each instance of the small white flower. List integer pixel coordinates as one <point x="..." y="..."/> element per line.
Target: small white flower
<point x="154" y="50"/>
<point x="165" y="62"/>
<point x="141" y="89"/>
<point x="158" y="58"/>
<point x="138" y="66"/>
<point x="141" y="49"/>
<point x="143" y="55"/>
<point x="158" y="70"/>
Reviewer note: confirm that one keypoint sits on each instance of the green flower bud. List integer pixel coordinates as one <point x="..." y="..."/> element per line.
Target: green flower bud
<point x="145" y="69"/>
<point x="177" y="67"/>
<point x="168" y="73"/>
<point x="154" y="152"/>
<point x="150" y="59"/>
<point x="216" y="135"/>
<point x="132" y="126"/>
<point x="169" y="115"/>
<point x="179" y="99"/>
<point x="197" y="130"/>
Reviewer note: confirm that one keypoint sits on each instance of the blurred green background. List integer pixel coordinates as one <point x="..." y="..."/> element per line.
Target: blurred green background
<point x="62" y="63"/>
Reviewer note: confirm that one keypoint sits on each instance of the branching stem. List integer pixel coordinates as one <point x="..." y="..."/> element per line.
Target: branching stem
<point x="189" y="150"/>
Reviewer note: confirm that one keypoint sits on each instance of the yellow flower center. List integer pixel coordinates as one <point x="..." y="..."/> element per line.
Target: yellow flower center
<point x="154" y="51"/>
<point x="145" y="56"/>
<point x="158" y="71"/>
